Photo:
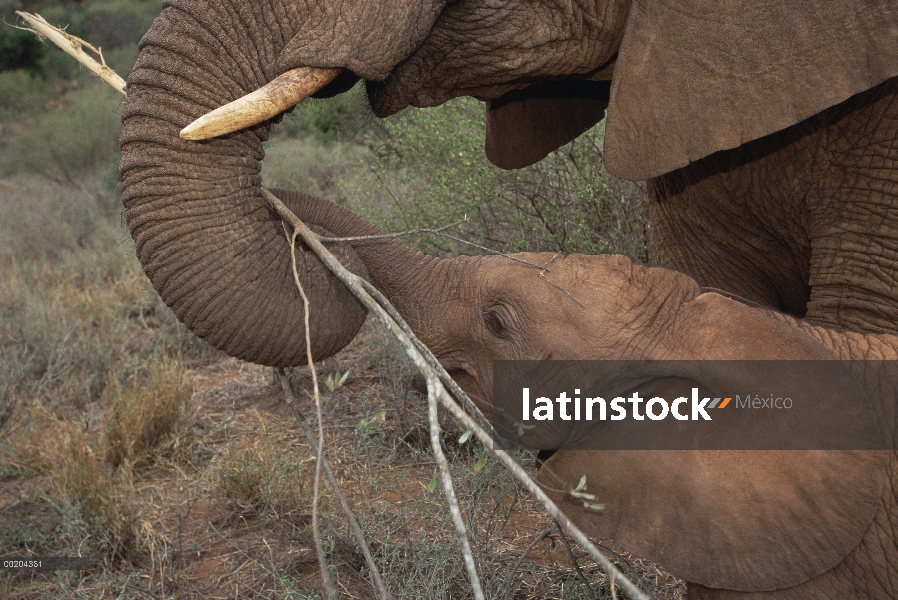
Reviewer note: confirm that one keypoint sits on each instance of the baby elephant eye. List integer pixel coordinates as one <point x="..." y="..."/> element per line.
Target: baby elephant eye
<point x="495" y="323"/>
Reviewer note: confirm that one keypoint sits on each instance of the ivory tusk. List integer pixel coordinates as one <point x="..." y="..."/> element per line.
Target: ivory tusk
<point x="271" y="99"/>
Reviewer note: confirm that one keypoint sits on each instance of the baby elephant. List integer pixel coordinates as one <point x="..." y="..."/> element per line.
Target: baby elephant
<point x="734" y="524"/>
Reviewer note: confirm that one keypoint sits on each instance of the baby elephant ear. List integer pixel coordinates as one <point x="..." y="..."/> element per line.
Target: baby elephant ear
<point x="737" y="520"/>
<point x="524" y="126"/>
<point x="697" y="76"/>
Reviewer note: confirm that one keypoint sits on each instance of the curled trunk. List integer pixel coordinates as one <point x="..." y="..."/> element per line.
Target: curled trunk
<point x="211" y="248"/>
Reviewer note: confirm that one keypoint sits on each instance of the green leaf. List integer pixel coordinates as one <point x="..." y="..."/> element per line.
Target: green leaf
<point x="465" y="436"/>
<point x="581" y="485"/>
<point x="568" y="486"/>
<point x="478" y="466"/>
<point x="334" y="383"/>
<point x="432" y="485"/>
<point x="593" y="506"/>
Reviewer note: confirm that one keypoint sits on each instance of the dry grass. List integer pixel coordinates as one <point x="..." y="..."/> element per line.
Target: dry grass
<point x="265" y="473"/>
<point x="144" y="413"/>
<point x="97" y="499"/>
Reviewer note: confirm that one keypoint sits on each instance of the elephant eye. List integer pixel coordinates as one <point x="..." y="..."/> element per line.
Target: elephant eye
<point x="495" y="323"/>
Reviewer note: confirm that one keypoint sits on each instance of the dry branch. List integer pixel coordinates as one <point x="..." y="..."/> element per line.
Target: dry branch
<point x="392" y="236"/>
<point x="319" y="446"/>
<point x="574" y="562"/>
<point x="433" y="387"/>
<point x="74" y="47"/>
<point x="509" y="579"/>
<point x="382" y="592"/>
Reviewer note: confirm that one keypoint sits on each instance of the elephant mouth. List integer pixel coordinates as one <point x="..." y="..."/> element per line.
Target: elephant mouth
<point x="407" y="85"/>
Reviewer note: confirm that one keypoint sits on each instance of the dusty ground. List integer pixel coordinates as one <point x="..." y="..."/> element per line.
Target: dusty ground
<point x="223" y="510"/>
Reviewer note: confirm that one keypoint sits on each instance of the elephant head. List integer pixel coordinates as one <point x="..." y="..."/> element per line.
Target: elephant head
<point x="803" y="522"/>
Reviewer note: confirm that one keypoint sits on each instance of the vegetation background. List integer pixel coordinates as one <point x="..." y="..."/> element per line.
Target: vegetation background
<point x="125" y="438"/>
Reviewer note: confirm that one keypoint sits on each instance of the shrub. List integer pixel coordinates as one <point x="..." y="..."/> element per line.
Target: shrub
<point x="432" y="165"/>
<point x="99" y="502"/>
<point x="21" y="94"/>
<point x="326" y="120"/>
<point x="114" y="23"/>
<point x="263" y="474"/>
<point x="68" y="143"/>
<point x="20" y="50"/>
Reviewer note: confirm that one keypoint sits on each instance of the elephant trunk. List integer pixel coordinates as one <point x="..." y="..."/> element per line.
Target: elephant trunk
<point x="210" y="246"/>
<point x="427" y="291"/>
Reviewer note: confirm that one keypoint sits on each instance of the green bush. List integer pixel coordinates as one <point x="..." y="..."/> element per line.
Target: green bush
<point x="21" y="94"/>
<point x="69" y="142"/>
<point x="115" y="23"/>
<point x="20" y="50"/>
<point x="432" y="165"/>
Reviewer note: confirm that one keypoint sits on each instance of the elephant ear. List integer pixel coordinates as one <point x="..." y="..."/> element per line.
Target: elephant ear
<point x="697" y="76"/>
<point x="737" y="520"/>
<point x="746" y="520"/>
<point x="524" y="126"/>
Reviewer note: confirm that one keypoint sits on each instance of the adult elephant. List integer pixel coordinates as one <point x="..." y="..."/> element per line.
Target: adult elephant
<point x="767" y="131"/>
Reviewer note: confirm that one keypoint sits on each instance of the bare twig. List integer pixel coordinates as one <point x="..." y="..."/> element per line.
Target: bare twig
<point x="141" y="590"/>
<point x="74" y="47"/>
<point x="382" y="592"/>
<point x="490" y="250"/>
<point x="551" y="260"/>
<point x="438" y="231"/>
<point x="447" y="381"/>
<point x="319" y="547"/>
<point x="558" y="287"/>
<point x="433" y="385"/>
<point x="417" y="352"/>
<point x="389" y="236"/>
<point x="574" y="562"/>
<point x="509" y="579"/>
<point x="639" y="579"/>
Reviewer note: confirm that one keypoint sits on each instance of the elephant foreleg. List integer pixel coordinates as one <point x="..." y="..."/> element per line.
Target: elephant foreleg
<point x="804" y="220"/>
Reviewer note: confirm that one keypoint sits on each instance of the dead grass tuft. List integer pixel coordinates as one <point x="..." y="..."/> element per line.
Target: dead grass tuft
<point x="99" y="501"/>
<point x="264" y="473"/>
<point x="142" y="414"/>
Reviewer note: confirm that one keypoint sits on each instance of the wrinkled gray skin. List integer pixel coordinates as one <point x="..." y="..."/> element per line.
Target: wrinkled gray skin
<point x="768" y="132"/>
